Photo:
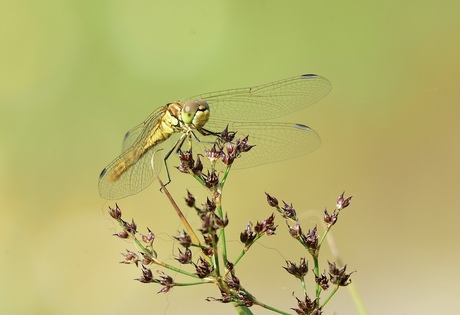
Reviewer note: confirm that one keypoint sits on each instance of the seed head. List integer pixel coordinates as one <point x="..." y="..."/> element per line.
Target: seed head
<point x="190" y="199"/>
<point x="149" y="238"/>
<point x="247" y="236"/>
<point x="272" y="201"/>
<point x="184" y="239"/>
<point x="343" y="202"/>
<point x="339" y="276"/>
<point x="203" y="268"/>
<point x="185" y="257"/>
<point x="297" y="271"/>
<point x="147" y="275"/>
<point x="115" y="213"/>
<point x="288" y="211"/>
<point x="130" y="258"/>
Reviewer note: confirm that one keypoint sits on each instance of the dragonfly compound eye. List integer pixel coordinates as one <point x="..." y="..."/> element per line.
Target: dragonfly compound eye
<point x="194" y="110"/>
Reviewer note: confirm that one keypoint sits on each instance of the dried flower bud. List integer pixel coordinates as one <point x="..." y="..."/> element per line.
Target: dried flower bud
<point x="230" y="266"/>
<point x="130" y="258"/>
<point x="190" y="199"/>
<point x="184" y="239"/>
<point x="266" y="226"/>
<point x="146" y="259"/>
<point x="147" y="275"/>
<point x="185" y="257"/>
<point x="115" y="213"/>
<point x="210" y="205"/>
<point x="149" y="238"/>
<point x="198" y="167"/>
<point x="343" y="202"/>
<point x="208" y="251"/>
<point x="121" y="234"/>
<point x="233" y="282"/>
<point x="221" y="222"/>
<point x="208" y="224"/>
<point x="227" y="136"/>
<point x="230" y="148"/>
<point x="164" y="289"/>
<point x="311" y="240"/>
<point x="289" y="211"/>
<point x="322" y="281"/>
<point x="207" y="239"/>
<point x="244" y="299"/>
<point x="225" y="298"/>
<point x="242" y="145"/>
<point x="272" y="201"/>
<point x="307" y="307"/>
<point x="298" y="272"/>
<point x="186" y="162"/>
<point x="211" y="179"/>
<point x="247" y="236"/>
<point x="213" y="154"/>
<point x="130" y="227"/>
<point x="166" y="281"/>
<point x="203" y="268"/>
<point x="330" y="219"/>
<point x="295" y="231"/>
<point x="228" y="159"/>
<point x="339" y="276"/>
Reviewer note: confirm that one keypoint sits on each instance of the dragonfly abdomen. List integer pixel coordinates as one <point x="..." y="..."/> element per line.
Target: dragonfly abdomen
<point x="161" y="131"/>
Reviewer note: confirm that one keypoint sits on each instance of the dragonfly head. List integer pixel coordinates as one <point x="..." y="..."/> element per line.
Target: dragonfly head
<point x="195" y="113"/>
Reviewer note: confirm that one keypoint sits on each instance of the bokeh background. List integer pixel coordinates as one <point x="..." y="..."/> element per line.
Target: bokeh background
<point x="76" y="75"/>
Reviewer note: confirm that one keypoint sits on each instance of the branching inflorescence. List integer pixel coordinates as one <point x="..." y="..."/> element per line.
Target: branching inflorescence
<point x="214" y="264"/>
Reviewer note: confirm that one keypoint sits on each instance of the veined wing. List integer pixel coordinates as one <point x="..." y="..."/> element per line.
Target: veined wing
<point x="138" y="133"/>
<point x="273" y="141"/>
<point x="138" y="176"/>
<point x="267" y="101"/>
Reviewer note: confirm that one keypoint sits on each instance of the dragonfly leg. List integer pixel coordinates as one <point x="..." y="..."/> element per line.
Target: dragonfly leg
<point x="175" y="148"/>
<point x="206" y="132"/>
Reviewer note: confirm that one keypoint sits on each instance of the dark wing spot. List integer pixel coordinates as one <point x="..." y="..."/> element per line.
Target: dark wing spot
<point x="303" y="127"/>
<point x="309" y="76"/>
<point x="103" y="173"/>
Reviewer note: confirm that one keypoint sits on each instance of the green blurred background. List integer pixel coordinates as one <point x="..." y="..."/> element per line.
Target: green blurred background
<point x="76" y="75"/>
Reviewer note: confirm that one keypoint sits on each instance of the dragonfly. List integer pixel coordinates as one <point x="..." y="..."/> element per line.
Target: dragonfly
<point x="248" y="111"/>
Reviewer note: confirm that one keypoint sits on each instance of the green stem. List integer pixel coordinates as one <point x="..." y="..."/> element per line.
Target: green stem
<point x="330" y="296"/>
<point x="224" y="178"/>
<point x="323" y="238"/>
<point x="268" y="307"/>
<point x="316" y="270"/>
<point x="179" y="284"/>
<point x="220" y="213"/>
<point x="243" y="310"/>
<point x="160" y="263"/>
<point x="199" y="179"/>
<point x="215" y="257"/>
<point x="246" y="248"/>
<point x="302" y="281"/>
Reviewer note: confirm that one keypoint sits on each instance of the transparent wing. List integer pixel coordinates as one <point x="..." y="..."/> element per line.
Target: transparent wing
<point x="139" y="132"/>
<point x="273" y="142"/>
<point x="138" y="176"/>
<point x="267" y="101"/>
<point x="135" y="179"/>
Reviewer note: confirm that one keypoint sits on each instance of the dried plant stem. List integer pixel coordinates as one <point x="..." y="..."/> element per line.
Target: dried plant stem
<point x="184" y="220"/>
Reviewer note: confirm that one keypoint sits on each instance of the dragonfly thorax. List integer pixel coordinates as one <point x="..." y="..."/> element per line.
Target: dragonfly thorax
<point x="195" y="113"/>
